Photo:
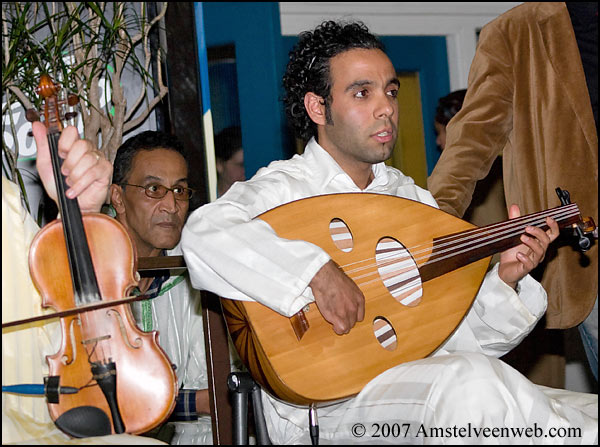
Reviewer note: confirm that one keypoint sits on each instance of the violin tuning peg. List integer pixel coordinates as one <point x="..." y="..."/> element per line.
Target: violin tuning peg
<point x="32" y="115"/>
<point x="72" y="99"/>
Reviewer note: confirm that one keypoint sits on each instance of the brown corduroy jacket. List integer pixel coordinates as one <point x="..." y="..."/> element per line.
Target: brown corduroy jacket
<point x="527" y="99"/>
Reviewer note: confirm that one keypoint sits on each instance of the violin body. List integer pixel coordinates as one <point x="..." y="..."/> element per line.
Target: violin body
<point x="124" y="381"/>
<point x="146" y="383"/>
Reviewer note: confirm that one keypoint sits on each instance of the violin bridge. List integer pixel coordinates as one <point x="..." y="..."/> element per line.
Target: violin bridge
<point x="95" y="340"/>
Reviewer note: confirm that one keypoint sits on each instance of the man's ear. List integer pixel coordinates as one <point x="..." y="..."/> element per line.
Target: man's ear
<point x="116" y="198"/>
<point x="315" y="107"/>
<point x="220" y="165"/>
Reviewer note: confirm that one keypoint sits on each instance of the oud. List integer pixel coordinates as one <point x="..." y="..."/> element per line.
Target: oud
<point x="418" y="267"/>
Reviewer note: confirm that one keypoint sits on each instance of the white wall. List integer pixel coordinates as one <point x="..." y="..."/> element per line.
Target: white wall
<point x="459" y="22"/>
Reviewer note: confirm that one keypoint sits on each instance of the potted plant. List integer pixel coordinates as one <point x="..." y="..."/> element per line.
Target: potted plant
<point x="90" y="48"/>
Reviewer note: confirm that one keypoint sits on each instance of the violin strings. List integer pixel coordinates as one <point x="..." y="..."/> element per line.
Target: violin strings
<point x="509" y="229"/>
<point x="91" y="330"/>
<point x="93" y="350"/>
<point x="87" y="323"/>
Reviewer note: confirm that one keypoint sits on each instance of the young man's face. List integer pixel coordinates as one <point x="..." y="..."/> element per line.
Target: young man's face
<point x="364" y="110"/>
<point x="153" y="224"/>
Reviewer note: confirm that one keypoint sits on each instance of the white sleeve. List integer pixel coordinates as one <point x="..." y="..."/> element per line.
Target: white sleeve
<point x="234" y="255"/>
<point x="500" y="318"/>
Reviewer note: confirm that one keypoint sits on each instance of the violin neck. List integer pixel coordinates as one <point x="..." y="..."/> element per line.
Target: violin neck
<point x="85" y="284"/>
<point x="457" y="250"/>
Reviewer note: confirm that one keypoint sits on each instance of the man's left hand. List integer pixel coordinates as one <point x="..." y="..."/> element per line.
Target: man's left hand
<point x="518" y="261"/>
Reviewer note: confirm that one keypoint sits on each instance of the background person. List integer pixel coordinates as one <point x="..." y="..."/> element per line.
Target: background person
<point x="150" y="195"/>
<point x="488" y="205"/>
<point x="533" y="97"/>
<point x="230" y="158"/>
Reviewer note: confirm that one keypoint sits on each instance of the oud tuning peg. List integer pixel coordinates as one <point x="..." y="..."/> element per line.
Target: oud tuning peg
<point x="581" y="229"/>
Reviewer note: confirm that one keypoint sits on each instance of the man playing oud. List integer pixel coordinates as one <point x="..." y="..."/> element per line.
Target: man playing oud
<point x="341" y="96"/>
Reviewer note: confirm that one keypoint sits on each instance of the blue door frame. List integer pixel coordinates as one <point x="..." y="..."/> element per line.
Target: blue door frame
<point x="261" y="56"/>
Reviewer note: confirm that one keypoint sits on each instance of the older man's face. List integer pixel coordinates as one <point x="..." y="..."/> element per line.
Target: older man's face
<point x="153" y="224"/>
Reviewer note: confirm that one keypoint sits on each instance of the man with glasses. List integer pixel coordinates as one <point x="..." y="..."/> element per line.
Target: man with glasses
<point x="150" y="196"/>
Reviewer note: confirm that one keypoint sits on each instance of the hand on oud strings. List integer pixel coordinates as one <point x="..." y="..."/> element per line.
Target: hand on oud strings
<point x="518" y="261"/>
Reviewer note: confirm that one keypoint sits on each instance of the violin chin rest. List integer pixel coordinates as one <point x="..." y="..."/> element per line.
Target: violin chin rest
<point x="84" y="421"/>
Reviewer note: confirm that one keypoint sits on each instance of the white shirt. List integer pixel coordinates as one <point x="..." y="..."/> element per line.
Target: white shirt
<point x="234" y="255"/>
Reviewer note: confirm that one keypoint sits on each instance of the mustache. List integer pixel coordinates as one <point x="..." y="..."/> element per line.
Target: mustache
<point x="388" y="124"/>
<point x="175" y="221"/>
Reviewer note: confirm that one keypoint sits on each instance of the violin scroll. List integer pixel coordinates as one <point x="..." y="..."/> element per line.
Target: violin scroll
<point x="55" y="107"/>
<point x="47" y="87"/>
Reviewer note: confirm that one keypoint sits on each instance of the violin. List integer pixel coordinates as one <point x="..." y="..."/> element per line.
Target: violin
<point x="123" y="380"/>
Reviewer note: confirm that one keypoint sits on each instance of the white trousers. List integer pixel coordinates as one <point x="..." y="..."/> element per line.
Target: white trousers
<point x="462" y="398"/>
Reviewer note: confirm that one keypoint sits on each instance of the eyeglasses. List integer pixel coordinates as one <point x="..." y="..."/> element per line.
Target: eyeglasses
<point x="157" y="191"/>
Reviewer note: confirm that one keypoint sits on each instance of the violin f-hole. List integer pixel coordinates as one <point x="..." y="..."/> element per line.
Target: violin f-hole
<point x="137" y="342"/>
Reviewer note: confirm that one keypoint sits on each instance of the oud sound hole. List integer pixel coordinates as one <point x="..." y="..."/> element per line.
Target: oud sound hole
<point x="341" y="235"/>
<point x="398" y="271"/>
<point x="385" y="333"/>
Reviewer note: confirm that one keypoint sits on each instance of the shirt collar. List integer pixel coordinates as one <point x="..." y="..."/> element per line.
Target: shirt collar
<point x="157" y="283"/>
<point x="328" y="170"/>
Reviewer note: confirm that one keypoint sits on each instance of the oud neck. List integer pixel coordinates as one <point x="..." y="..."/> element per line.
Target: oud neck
<point x="85" y="284"/>
<point x="459" y="249"/>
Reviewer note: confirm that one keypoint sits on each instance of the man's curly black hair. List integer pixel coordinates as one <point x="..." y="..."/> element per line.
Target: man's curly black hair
<point x="448" y="106"/>
<point x="308" y="68"/>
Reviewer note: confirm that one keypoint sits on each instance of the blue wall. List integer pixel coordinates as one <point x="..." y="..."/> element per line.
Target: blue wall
<point x="261" y="56"/>
<point x="255" y="30"/>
